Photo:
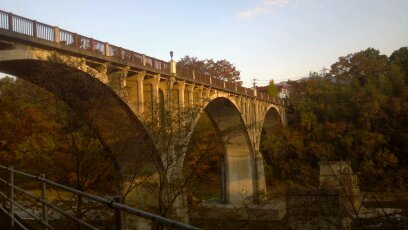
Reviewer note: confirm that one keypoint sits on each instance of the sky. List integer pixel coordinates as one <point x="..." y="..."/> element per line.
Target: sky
<point x="264" y="39"/>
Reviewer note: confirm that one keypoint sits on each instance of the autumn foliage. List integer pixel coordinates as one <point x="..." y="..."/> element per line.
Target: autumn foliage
<point x="357" y="112"/>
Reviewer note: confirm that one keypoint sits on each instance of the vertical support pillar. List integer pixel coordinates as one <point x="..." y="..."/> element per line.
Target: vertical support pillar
<point x="206" y="96"/>
<point x="173" y="69"/>
<point x="34" y="28"/>
<point x="238" y="101"/>
<point x="11" y="196"/>
<point x="143" y="60"/>
<point x="243" y="107"/>
<point x="248" y="111"/>
<point x="261" y="183"/>
<point x="57" y="36"/>
<point x="155" y="81"/>
<point x="140" y="99"/>
<point x="190" y="91"/>
<point x="76" y="40"/>
<point x="166" y="86"/>
<point x="107" y="50"/>
<point x="199" y="93"/>
<point x="134" y="90"/>
<point x="170" y="85"/>
<point x="190" y="103"/>
<point x="44" y="199"/>
<point x="181" y="88"/>
<point x="118" y="215"/>
<point x="155" y="88"/>
<point x="181" y="85"/>
<point x="152" y="109"/>
<point x="10" y="21"/>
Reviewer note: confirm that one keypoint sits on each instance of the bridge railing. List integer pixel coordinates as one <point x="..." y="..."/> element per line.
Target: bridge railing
<point x="32" y="28"/>
<point x="43" y="216"/>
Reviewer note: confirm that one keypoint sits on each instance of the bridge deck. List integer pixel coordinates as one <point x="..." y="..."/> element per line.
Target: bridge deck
<point x="27" y="31"/>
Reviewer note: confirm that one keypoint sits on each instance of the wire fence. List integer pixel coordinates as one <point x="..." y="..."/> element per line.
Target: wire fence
<point x="9" y="203"/>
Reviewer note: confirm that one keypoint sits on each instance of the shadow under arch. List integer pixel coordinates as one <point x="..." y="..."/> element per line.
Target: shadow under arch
<point x="239" y="182"/>
<point x="116" y="126"/>
<point x="272" y="125"/>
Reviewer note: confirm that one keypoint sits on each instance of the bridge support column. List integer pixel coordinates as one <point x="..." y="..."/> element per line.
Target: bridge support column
<point x="181" y="88"/>
<point x="140" y="79"/>
<point x="190" y="94"/>
<point x="181" y="85"/>
<point x="261" y="183"/>
<point x="155" y="85"/>
<point x="205" y="96"/>
<point x="167" y="86"/>
<point x="150" y="98"/>
<point x="117" y="81"/>
<point x="198" y="97"/>
<point x="134" y="89"/>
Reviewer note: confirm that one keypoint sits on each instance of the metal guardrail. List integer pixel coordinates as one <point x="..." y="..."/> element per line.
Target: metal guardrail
<point x="45" y="204"/>
<point x="32" y="28"/>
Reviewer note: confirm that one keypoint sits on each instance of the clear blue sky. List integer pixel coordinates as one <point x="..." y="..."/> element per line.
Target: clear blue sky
<point x="265" y="39"/>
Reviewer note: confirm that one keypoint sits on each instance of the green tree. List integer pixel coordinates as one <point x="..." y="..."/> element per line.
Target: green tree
<point x="272" y="89"/>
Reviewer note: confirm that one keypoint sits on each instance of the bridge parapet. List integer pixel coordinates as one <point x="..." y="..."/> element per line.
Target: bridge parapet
<point x="53" y="34"/>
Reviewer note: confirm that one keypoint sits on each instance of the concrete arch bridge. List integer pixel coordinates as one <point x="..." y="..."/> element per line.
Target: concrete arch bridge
<point x="116" y="92"/>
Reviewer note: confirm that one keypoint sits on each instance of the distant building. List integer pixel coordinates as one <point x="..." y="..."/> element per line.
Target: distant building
<point x="283" y="88"/>
<point x="262" y="89"/>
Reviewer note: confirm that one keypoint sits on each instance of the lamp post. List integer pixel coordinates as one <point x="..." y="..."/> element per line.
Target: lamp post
<point x="172" y="64"/>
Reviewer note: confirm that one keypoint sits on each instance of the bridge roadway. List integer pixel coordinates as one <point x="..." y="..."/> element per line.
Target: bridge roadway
<point x="120" y="94"/>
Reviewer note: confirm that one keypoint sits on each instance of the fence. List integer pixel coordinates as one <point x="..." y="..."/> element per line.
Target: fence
<point x="32" y="28"/>
<point x="43" y="219"/>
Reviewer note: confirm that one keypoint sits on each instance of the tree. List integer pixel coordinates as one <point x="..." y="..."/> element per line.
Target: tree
<point x="221" y="69"/>
<point x="272" y="89"/>
<point x="400" y="58"/>
<point x="353" y="113"/>
<point x="41" y="134"/>
<point x="194" y="63"/>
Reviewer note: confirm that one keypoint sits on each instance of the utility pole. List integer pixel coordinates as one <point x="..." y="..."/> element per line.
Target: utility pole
<point x="324" y="70"/>
<point x="254" y="83"/>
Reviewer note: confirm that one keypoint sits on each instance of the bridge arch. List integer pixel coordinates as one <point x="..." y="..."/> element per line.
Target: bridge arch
<point x="271" y="121"/>
<point x="117" y="127"/>
<point x="271" y="124"/>
<point x="238" y="170"/>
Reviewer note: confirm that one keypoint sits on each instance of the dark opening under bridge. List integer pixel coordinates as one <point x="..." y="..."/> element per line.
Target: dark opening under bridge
<point x="116" y="91"/>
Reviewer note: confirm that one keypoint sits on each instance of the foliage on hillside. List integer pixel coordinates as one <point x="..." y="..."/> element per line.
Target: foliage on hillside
<point x="358" y="112"/>
<point x="40" y="134"/>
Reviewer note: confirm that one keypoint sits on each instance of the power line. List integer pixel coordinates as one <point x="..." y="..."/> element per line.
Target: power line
<point x="264" y="82"/>
<point x="284" y="79"/>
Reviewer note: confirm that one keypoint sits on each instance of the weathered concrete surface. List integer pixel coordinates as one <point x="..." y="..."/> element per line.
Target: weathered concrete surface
<point x="338" y="175"/>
